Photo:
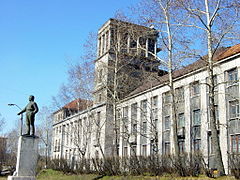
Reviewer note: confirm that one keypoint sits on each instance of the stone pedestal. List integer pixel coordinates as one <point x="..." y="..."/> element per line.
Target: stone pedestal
<point x="26" y="158"/>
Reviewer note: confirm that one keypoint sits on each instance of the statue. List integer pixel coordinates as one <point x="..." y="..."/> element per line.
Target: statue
<point x="31" y="109"/>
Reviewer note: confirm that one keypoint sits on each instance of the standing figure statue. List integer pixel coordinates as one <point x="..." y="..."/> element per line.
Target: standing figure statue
<point x="31" y="109"/>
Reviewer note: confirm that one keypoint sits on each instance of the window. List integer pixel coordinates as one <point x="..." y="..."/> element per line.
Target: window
<point x="154" y="101"/>
<point x="196" y="117"/>
<point x="156" y="124"/>
<point x="216" y="112"/>
<point x="134" y="118"/>
<point x="144" y="106"/>
<point x="181" y="145"/>
<point x="167" y="98"/>
<point x="195" y="88"/>
<point x="125" y="151"/>
<point x="144" y="150"/>
<point x="66" y="154"/>
<point x="179" y="94"/>
<point x="100" y="75"/>
<point x="233" y="109"/>
<point x="98" y="118"/>
<point x="235" y="144"/>
<point x="124" y="43"/>
<point x="196" y="144"/>
<point x="143" y="113"/>
<point x="232" y="76"/>
<point x="154" y="111"/>
<point x="67" y="133"/>
<point x="134" y="129"/>
<point x="181" y="120"/>
<point x="55" y="147"/>
<point x="134" y="113"/>
<point x="125" y="119"/>
<point x="167" y="123"/>
<point x="133" y="43"/>
<point x="144" y="127"/>
<point x="167" y="148"/>
<point x="99" y="46"/>
<point x="103" y="43"/>
<point x="234" y="126"/>
<point x="142" y="41"/>
<point x="166" y="132"/>
<point x="125" y="112"/>
<point x="151" y="45"/>
<point x="107" y="40"/>
<point x="196" y="132"/>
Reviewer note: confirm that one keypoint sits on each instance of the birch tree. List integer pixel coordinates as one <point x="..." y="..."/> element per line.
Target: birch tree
<point x="2" y="122"/>
<point x="218" y="20"/>
<point x="45" y="131"/>
<point x="166" y="17"/>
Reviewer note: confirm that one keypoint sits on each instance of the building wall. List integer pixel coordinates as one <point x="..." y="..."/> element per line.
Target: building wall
<point x="190" y="108"/>
<point x="77" y="136"/>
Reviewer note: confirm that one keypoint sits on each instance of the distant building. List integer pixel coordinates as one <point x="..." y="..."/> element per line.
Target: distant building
<point x="138" y="96"/>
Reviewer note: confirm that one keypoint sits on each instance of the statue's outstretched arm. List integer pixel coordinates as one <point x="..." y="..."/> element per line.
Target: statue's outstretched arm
<point x="22" y="111"/>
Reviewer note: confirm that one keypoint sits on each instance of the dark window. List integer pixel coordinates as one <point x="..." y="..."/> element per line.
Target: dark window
<point x="232" y="76"/>
<point x="196" y="117"/>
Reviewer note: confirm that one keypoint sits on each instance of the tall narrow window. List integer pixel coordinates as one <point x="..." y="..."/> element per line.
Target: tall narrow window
<point x="125" y="119"/>
<point x="195" y="88"/>
<point x="234" y="109"/>
<point x="181" y="120"/>
<point x="103" y="44"/>
<point x="99" y="46"/>
<point x="134" y="114"/>
<point x="144" y="150"/>
<point x="196" y="117"/>
<point x="232" y="76"/>
<point x="100" y="75"/>
<point x="107" y="40"/>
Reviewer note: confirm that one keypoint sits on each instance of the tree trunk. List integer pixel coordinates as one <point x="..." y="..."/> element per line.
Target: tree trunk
<point x="213" y="125"/>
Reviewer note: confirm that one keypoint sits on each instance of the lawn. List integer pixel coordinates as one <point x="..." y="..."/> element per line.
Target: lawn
<point x="56" y="175"/>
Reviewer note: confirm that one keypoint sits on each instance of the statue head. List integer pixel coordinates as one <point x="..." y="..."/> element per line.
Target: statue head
<point x="31" y="98"/>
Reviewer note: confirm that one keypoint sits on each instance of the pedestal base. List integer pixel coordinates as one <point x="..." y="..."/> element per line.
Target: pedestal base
<point x="26" y="158"/>
<point x="21" y="178"/>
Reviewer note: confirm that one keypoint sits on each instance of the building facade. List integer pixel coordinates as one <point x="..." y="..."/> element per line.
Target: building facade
<point x="131" y="112"/>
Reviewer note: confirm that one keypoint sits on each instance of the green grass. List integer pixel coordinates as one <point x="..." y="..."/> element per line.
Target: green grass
<point x="56" y="175"/>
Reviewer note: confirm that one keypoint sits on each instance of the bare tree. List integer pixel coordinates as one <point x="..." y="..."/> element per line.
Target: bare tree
<point x="2" y="122"/>
<point x="12" y="144"/>
<point x="45" y="131"/>
<point x="167" y="18"/>
<point x="217" y="20"/>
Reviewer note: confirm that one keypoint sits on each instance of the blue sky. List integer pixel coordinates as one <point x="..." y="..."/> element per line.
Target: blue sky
<point x="36" y="40"/>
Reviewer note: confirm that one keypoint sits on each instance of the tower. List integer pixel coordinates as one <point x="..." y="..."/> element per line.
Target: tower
<point x="125" y="56"/>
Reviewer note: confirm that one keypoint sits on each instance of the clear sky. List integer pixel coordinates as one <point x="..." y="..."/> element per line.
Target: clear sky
<point x="36" y="40"/>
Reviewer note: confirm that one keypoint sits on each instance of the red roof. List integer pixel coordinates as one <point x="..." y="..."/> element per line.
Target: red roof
<point x="78" y="104"/>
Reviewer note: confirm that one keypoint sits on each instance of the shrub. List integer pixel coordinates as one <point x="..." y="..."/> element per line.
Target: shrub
<point x="234" y="161"/>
